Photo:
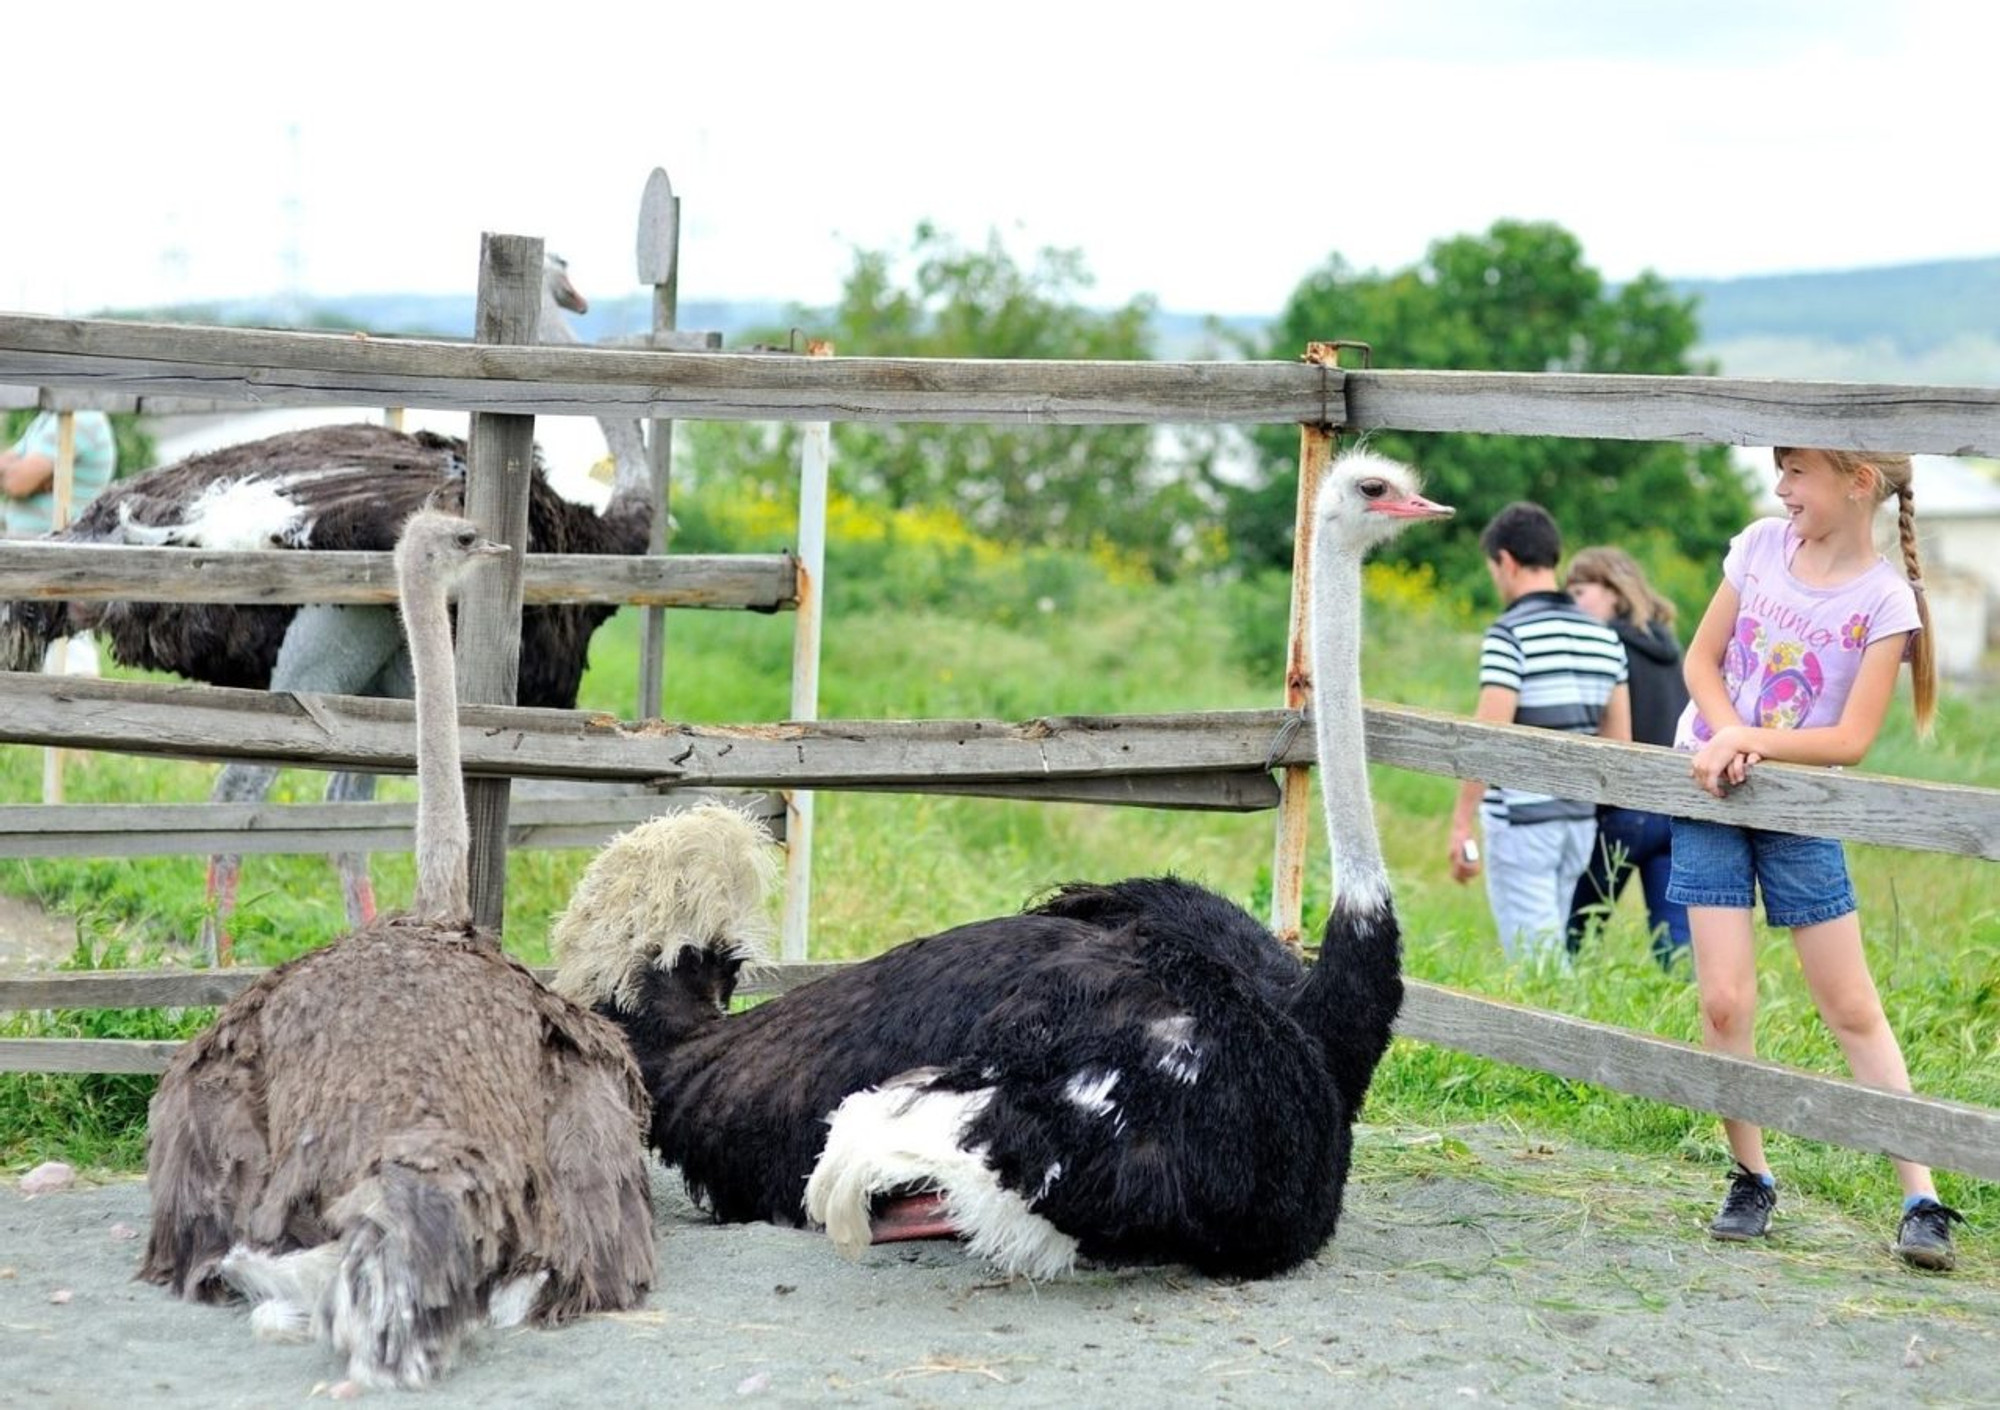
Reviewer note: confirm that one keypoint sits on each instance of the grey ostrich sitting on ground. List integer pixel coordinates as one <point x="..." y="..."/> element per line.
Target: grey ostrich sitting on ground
<point x="388" y="1140"/>
<point x="328" y="488"/>
<point x="1132" y="1073"/>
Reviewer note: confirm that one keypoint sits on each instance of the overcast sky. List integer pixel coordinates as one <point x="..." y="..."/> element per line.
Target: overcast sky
<point x="1210" y="155"/>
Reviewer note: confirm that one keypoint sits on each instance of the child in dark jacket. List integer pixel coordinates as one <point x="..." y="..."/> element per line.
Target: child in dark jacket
<point x="1611" y="586"/>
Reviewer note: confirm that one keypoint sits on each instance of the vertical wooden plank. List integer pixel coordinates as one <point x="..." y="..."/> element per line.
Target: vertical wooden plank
<point x="815" y="456"/>
<point x="1295" y="781"/>
<point x="659" y="266"/>
<point x="63" y="488"/>
<point x="62" y="491"/>
<point x="496" y="498"/>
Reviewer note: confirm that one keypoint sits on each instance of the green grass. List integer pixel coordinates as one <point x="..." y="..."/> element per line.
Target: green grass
<point x="887" y="868"/>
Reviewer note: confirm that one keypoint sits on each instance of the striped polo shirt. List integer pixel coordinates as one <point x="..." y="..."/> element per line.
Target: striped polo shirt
<point x="1563" y="664"/>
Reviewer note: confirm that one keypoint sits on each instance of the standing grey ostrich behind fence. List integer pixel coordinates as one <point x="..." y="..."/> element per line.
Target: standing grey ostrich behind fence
<point x="329" y="488"/>
<point x="1134" y="1073"/>
<point x="388" y="1139"/>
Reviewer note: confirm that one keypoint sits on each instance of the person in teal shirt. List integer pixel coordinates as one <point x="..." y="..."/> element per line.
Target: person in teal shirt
<point x="28" y="471"/>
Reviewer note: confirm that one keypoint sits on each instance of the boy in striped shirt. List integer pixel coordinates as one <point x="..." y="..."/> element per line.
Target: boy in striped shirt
<point x="1547" y="663"/>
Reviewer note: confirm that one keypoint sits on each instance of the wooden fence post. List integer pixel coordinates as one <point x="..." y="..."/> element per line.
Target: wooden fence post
<point x="815" y="455"/>
<point x="496" y="498"/>
<point x="659" y="266"/>
<point x="1288" y="862"/>
<point x="62" y="490"/>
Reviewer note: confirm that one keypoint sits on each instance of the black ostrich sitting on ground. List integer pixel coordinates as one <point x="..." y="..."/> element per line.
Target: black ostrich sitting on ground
<point x="1136" y="1072"/>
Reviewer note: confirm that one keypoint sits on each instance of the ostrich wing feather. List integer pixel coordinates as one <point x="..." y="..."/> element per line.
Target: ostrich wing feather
<point x="596" y="1115"/>
<point x="210" y="1155"/>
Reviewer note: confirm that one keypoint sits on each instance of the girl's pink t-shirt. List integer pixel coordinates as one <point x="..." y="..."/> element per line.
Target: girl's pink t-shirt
<point x="1797" y="649"/>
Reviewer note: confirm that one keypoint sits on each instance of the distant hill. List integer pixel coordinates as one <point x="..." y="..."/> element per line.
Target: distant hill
<point x="1937" y="322"/>
<point x="1916" y="306"/>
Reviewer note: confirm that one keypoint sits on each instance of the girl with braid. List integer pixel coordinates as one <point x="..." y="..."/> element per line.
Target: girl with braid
<point x="1796" y="659"/>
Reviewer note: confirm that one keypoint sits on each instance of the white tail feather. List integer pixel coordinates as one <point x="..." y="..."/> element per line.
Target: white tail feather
<point x="895" y="1138"/>
<point x="228" y="514"/>
<point x="281" y="1322"/>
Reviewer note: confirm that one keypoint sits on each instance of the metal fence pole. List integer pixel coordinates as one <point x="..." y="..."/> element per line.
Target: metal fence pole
<point x="815" y="455"/>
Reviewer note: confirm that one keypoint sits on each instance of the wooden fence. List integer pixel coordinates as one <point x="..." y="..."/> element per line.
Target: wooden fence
<point x="1220" y="759"/>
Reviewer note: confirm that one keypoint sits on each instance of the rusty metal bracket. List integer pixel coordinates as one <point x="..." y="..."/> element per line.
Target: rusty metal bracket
<point x="1367" y="351"/>
<point x="1316" y="354"/>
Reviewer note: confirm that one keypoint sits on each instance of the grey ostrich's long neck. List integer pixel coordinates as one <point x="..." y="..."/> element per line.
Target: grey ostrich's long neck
<point x="444" y="840"/>
<point x="1362" y="880"/>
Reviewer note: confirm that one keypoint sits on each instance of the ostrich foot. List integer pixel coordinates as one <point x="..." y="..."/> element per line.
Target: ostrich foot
<point x="896" y="1218"/>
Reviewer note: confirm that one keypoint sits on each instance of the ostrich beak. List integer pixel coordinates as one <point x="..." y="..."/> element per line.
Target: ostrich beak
<point x="489" y="549"/>
<point x="567" y="297"/>
<point x="1415" y="507"/>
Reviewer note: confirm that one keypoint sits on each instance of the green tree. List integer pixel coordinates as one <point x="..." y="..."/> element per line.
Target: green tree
<point x="1518" y="298"/>
<point x="1045" y="486"/>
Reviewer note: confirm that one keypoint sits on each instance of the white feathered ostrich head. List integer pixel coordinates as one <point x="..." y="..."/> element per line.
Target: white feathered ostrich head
<point x="1367" y="499"/>
<point x="685" y="891"/>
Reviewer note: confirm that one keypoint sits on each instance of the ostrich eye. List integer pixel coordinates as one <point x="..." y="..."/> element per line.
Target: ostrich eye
<point x="1373" y="489"/>
<point x="465" y="538"/>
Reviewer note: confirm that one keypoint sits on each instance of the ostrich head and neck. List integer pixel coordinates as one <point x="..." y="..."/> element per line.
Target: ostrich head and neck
<point x="432" y="556"/>
<point x="632" y="474"/>
<point x="1365" y="500"/>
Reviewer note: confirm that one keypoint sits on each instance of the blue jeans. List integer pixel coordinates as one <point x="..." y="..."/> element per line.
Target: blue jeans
<point x="1629" y="840"/>
<point x="1804" y="879"/>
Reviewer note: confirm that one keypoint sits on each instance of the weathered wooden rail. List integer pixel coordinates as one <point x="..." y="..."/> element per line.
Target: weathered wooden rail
<point x="203" y="829"/>
<point x="1219" y="759"/>
<point x="965" y="756"/>
<point x="111" y="572"/>
<point x="127" y="359"/>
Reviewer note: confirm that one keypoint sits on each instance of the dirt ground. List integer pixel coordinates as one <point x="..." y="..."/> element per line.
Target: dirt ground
<point x="1470" y="1267"/>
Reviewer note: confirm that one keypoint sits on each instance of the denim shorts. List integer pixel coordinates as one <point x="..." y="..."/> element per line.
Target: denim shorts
<point x="1804" y="879"/>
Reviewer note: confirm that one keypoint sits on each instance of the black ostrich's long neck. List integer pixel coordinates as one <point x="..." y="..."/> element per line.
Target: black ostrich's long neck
<point x="1343" y="752"/>
<point x="631" y="474"/>
<point x="629" y="515"/>
<point x="1351" y="997"/>
<point x="632" y="497"/>
<point x="672" y="1008"/>
<point x="444" y="840"/>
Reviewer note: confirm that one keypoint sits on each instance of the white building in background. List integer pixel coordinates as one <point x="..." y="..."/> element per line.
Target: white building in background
<point x="1958" y="533"/>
